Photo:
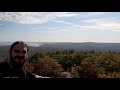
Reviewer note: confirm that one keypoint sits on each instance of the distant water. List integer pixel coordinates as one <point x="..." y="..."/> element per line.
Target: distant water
<point x="34" y="44"/>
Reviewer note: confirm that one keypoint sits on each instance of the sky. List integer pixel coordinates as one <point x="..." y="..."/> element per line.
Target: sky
<point x="60" y="26"/>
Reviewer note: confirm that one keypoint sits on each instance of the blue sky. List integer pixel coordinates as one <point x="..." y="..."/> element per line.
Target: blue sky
<point x="60" y="26"/>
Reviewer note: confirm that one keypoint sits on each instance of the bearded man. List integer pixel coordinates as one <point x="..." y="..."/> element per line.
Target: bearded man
<point x="15" y="67"/>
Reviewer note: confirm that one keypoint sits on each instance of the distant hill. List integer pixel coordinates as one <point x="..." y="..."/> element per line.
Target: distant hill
<point x="47" y="47"/>
<point x="84" y="46"/>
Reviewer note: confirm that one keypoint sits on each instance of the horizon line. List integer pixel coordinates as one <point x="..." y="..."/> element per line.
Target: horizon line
<point x="57" y="42"/>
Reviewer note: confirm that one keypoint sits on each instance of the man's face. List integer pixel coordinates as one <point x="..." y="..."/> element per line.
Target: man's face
<point x="19" y="53"/>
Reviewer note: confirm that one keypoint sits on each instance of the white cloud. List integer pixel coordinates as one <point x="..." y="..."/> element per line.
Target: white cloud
<point x="89" y="14"/>
<point x="52" y="29"/>
<point x="92" y="20"/>
<point x="32" y="17"/>
<point x="103" y="23"/>
<point x="97" y="24"/>
<point x="95" y="13"/>
<point x="65" y="14"/>
<point x="63" y="22"/>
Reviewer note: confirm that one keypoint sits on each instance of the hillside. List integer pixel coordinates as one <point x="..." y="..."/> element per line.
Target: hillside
<point x="48" y="47"/>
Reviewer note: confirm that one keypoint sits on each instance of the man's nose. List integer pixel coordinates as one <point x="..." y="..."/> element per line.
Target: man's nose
<point x="21" y="54"/>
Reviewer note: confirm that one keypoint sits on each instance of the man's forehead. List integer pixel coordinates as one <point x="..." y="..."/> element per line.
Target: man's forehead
<point x="20" y="46"/>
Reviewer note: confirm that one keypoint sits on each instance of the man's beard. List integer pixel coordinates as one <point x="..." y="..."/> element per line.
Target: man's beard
<point x="15" y="64"/>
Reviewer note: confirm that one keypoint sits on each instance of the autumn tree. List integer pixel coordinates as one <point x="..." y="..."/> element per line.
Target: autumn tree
<point x="48" y="67"/>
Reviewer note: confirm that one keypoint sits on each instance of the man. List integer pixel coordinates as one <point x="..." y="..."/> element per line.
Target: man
<point x="15" y="67"/>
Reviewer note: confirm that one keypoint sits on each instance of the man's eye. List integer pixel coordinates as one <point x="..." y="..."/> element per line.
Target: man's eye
<point x="24" y="52"/>
<point x="17" y="51"/>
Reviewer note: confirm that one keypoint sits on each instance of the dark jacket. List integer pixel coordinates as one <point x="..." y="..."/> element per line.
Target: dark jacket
<point x="7" y="72"/>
